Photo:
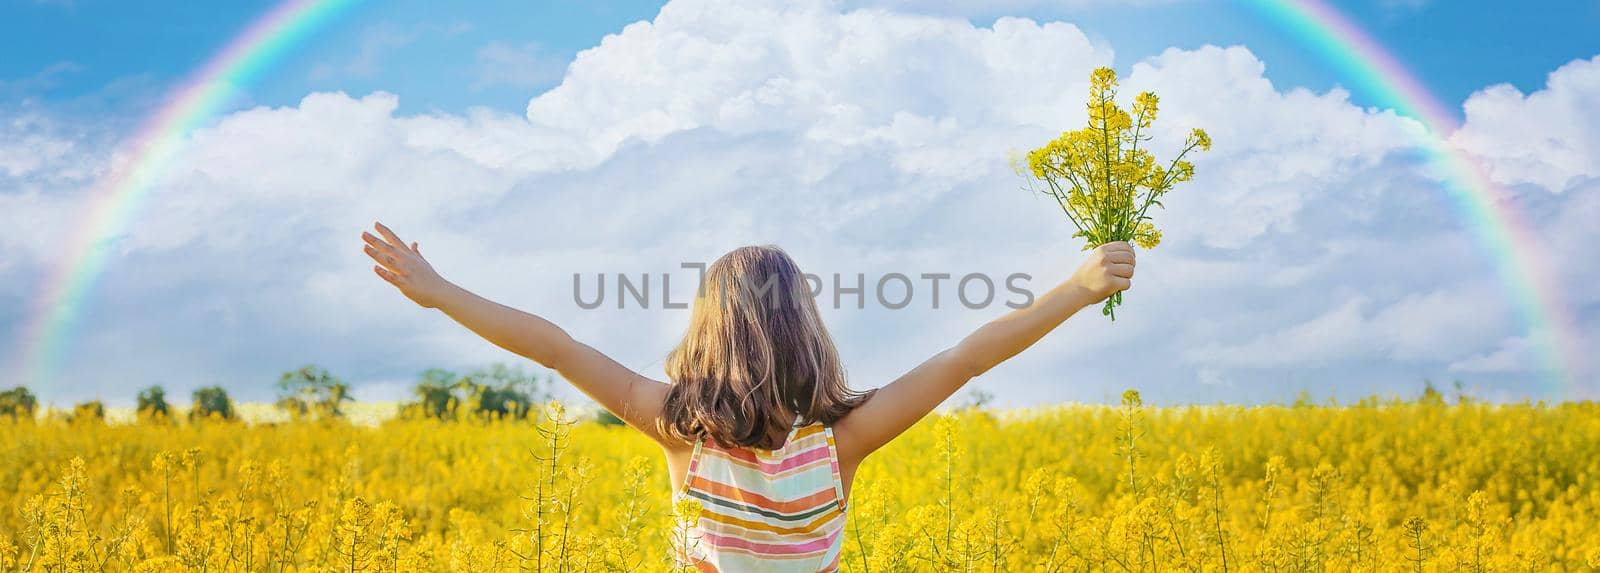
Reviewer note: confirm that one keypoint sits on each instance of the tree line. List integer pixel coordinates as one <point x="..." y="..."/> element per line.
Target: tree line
<point x="498" y="391"/>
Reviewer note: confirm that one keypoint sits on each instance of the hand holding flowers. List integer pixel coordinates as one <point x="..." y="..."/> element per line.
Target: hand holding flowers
<point x="1103" y="179"/>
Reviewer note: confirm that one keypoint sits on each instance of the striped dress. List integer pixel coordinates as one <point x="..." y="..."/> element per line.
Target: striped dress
<point x="765" y="510"/>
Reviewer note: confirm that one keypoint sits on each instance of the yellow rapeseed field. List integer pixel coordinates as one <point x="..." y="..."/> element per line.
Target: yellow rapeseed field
<point x="1379" y="485"/>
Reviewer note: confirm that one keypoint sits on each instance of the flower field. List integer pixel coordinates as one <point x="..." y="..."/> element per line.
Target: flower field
<point x="1375" y="486"/>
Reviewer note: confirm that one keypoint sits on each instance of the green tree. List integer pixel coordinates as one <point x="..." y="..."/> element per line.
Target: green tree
<point x="501" y="391"/>
<point x="18" y="404"/>
<point x="87" y="412"/>
<point x="211" y="401"/>
<point x="436" y="395"/>
<point x="494" y="392"/>
<point x="152" y="405"/>
<point x="310" y="390"/>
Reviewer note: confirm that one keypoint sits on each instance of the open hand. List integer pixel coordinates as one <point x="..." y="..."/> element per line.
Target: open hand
<point x="1109" y="269"/>
<point x="404" y="267"/>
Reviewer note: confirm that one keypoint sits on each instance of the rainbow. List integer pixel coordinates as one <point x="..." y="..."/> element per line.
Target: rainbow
<point x="1497" y="225"/>
<point x="116" y="198"/>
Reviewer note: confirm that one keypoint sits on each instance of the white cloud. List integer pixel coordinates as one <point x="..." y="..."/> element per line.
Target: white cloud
<point x="46" y="166"/>
<point x="1425" y="327"/>
<point x="1334" y="334"/>
<point x="1267" y="163"/>
<point x="1514" y="354"/>
<point x="21" y="156"/>
<point x="848" y="79"/>
<point x="1437" y="325"/>
<point x="1548" y="141"/>
<point x="1549" y="138"/>
<point x="31" y="143"/>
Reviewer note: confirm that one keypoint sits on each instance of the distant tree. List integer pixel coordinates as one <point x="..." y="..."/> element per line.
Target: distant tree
<point x="436" y="396"/>
<point x="312" y="391"/>
<point x="88" y="412"/>
<point x="495" y="392"/>
<point x="502" y="391"/>
<point x="152" y="405"/>
<point x="18" y="404"/>
<point x="209" y="401"/>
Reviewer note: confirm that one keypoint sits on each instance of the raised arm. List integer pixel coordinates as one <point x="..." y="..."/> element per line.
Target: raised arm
<point x="632" y="397"/>
<point x="895" y="407"/>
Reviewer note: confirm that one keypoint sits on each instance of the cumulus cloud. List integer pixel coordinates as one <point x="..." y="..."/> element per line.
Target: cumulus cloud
<point x="855" y="78"/>
<point x="1549" y="138"/>
<point x="1266" y="163"/>
<point x="866" y="141"/>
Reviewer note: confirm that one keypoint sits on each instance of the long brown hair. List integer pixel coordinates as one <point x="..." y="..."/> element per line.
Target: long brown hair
<point x="756" y="350"/>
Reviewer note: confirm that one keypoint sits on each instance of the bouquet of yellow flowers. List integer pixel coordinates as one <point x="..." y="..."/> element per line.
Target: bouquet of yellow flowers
<point x="1101" y="177"/>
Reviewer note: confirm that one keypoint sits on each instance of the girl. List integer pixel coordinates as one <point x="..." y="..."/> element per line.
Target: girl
<point x="757" y="423"/>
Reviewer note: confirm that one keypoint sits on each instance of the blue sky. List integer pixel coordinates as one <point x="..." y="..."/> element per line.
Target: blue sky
<point x="423" y="49"/>
<point x="1313" y="253"/>
<point x="431" y="53"/>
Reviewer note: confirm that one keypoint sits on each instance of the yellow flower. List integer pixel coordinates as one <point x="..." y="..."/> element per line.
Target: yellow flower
<point x="1148" y="236"/>
<point x="1102" y="78"/>
<point x="1103" y="176"/>
<point x="687" y="510"/>
<point x="1145" y="107"/>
